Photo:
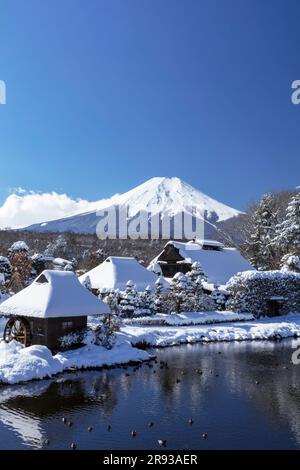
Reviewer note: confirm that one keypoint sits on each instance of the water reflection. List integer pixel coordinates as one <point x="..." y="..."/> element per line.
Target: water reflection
<point x="246" y="395"/>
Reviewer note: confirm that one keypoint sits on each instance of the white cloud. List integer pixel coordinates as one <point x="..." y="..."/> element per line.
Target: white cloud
<point x="23" y="208"/>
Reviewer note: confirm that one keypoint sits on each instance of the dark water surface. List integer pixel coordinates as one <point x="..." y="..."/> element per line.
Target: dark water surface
<point x="225" y="401"/>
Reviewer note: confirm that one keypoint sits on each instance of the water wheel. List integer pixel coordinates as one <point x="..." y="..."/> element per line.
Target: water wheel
<point x="18" y="329"/>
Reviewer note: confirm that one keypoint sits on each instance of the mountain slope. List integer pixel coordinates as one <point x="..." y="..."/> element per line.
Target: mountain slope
<point x="167" y="196"/>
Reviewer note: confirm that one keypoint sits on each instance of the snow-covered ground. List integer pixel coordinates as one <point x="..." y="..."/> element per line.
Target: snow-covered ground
<point x="18" y="364"/>
<point x="189" y="318"/>
<point x="262" y="329"/>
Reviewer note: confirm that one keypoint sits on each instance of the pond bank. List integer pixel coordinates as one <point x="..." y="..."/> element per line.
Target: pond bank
<point x="260" y="329"/>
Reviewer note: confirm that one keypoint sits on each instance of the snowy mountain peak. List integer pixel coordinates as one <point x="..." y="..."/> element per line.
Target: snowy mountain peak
<point x="164" y="195"/>
<point x="172" y="195"/>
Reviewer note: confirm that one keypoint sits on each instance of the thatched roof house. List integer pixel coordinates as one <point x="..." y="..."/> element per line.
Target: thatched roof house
<point x="54" y="305"/>
<point x="116" y="271"/>
<point x="218" y="263"/>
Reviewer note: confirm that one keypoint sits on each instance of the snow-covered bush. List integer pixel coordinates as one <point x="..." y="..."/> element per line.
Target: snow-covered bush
<point x="252" y="291"/>
<point x="74" y="338"/>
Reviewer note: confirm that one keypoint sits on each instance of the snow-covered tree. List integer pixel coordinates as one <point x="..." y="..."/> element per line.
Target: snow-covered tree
<point x="146" y="302"/>
<point x="263" y="225"/>
<point x="112" y="298"/>
<point x="105" y="332"/>
<point x="181" y="293"/>
<point x="16" y="283"/>
<point x="158" y="295"/>
<point x="22" y="265"/>
<point x="205" y="303"/>
<point x="2" y="283"/>
<point x="5" y="267"/>
<point x="39" y="263"/>
<point x="290" y="263"/>
<point x="129" y="302"/>
<point x="18" y="247"/>
<point x="196" y="272"/>
<point x="288" y="232"/>
<point x="219" y="297"/>
<point x="87" y="283"/>
<point x="57" y="248"/>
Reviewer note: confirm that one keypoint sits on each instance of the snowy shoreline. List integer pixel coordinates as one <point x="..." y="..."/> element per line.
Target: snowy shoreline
<point x="189" y="318"/>
<point x="263" y="329"/>
<point x="19" y="364"/>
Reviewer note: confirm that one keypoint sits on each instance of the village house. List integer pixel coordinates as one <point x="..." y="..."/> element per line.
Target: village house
<point x="218" y="262"/>
<point x="53" y="306"/>
<point x="115" y="272"/>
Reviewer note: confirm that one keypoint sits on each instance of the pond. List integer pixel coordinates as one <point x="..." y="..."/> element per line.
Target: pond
<point x="238" y="396"/>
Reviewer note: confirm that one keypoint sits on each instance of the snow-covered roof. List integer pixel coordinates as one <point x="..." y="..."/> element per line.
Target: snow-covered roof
<point x="201" y="242"/>
<point x="218" y="265"/>
<point x="116" y="271"/>
<point x="54" y="294"/>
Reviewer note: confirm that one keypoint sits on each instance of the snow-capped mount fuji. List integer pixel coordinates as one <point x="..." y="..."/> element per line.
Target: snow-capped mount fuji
<point x="166" y="196"/>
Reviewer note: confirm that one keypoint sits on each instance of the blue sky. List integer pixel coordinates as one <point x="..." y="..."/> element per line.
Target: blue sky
<point x="102" y="95"/>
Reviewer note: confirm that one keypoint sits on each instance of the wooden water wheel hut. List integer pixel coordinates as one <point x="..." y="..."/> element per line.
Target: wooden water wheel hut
<point x="52" y="307"/>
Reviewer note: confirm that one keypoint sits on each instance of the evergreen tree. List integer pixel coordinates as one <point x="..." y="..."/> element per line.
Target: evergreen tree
<point x="147" y="301"/>
<point x="158" y="296"/>
<point x="259" y="245"/>
<point x="288" y="232"/>
<point x="105" y="333"/>
<point x="181" y="293"/>
<point x="196" y="272"/>
<point x="219" y="298"/>
<point x="129" y="302"/>
<point x="112" y="298"/>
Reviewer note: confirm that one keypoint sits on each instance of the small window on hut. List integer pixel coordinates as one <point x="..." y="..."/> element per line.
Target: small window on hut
<point x="42" y="279"/>
<point x="67" y="324"/>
